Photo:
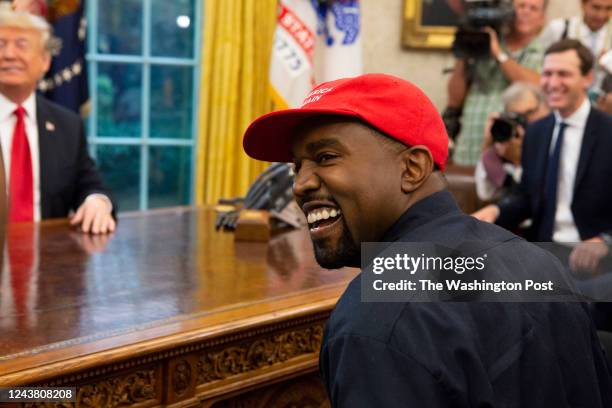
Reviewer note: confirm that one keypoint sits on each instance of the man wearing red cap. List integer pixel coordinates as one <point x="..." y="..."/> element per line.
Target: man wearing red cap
<point x="369" y="154"/>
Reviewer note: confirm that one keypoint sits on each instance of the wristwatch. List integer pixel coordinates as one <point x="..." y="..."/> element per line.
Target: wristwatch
<point x="502" y="57"/>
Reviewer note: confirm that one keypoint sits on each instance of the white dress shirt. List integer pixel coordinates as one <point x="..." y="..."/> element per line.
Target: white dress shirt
<point x="485" y="189"/>
<point x="7" y="126"/>
<point x="565" y="228"/>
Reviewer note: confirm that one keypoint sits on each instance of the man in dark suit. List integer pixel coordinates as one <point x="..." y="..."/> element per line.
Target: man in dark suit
<point x="567" y="164"/>
<point x="49" y="170"/>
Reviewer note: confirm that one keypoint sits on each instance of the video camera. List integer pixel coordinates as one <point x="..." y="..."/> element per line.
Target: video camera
<point x="505" y="126"/>
<point x="470" y="41"/>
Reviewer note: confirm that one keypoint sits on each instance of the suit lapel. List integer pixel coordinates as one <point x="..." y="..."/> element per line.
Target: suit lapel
<point x="45" y="147"/>
<point x="588" y="144"/>
<point x="542" y="155"/>
<point x="540" y="160"/>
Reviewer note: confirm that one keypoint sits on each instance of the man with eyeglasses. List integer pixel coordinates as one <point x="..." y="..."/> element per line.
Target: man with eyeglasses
<point x="499" y="168"/>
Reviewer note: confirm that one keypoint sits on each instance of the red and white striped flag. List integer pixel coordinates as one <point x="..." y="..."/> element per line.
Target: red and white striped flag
<point x="315" y="41"/>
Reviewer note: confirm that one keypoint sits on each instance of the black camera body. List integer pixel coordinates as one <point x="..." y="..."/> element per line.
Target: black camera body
<point x="470" y="41"/>
<point x="505" y="126"/>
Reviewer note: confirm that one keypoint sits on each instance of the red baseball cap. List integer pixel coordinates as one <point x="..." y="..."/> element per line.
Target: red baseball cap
<point x="392" y="105"/>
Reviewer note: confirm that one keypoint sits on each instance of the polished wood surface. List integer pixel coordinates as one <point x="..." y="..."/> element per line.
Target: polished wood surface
<point x="164" y="280"/>
<point x="3" y="200"/>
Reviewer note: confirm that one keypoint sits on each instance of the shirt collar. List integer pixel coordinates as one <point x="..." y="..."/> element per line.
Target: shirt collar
<point x="422" y="212"/>
<point x="579" y="118"/>
<point x="585" y="27"/>
<point x="30" y="106"/>
<point x="7" y="107"/>
<point x="534" y="46"/>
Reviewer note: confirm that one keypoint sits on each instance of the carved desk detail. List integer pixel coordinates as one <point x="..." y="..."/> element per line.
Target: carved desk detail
<point x="257" y="353"/>
<point x="204" y="373"/>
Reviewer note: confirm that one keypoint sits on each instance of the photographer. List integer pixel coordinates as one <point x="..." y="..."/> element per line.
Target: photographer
<point x="499" y="167"/>
<point x="476" y="84"/>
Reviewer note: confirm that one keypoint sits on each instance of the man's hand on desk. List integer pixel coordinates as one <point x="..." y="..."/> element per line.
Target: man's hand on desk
<point x="94" y="215"/>
<point x="587" y="255"/>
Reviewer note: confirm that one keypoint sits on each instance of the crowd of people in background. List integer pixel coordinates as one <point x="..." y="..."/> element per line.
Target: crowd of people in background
<point x="508" y="82"/>
<point x="536" y="123"/>
<point x="476" y="86"/>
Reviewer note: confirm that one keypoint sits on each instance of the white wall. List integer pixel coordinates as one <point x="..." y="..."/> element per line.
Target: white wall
<point x="383" y="52"/>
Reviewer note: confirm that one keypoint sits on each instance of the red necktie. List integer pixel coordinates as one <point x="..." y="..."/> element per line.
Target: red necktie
<point x="21" y="190"/>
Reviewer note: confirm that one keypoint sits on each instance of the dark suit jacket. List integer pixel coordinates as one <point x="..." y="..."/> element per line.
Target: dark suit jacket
<point x="67" y="172"/>
<point x="592" y="201"/>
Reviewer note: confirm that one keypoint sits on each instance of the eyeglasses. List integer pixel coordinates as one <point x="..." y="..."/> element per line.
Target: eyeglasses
<point x="528" y="112"/>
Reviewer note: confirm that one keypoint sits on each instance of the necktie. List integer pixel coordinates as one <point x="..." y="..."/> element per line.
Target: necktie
<point x="545" y="232"/>
<point x="21" y="190"/>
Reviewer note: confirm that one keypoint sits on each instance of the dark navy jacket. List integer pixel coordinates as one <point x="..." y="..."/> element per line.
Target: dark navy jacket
<point x="592" y="200"/>
<point x="461" y="354"/>
<point x="67" y="172"/>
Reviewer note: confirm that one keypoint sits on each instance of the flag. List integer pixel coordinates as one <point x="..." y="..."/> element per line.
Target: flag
<point x="315" y="41"/>
<point x="66" y="81"/>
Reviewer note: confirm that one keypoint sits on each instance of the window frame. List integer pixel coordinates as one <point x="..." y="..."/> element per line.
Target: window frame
<point x="146" y="61"/>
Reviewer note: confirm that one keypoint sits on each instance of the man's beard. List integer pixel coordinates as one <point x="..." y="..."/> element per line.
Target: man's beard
<point x="345" y="253"/>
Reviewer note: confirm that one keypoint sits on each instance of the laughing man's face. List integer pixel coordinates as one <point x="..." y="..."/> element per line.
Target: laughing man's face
<point x="564" y="86"/>
<point x="347" y="183"/>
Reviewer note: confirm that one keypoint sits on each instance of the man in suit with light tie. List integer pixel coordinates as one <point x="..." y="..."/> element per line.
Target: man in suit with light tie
<point x="49" y="170"/>
<point x="567" y="164"/>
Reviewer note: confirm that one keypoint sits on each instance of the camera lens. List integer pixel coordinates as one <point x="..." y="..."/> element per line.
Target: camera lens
<point x="471" y="43"/>
<point x="502" y="129"/>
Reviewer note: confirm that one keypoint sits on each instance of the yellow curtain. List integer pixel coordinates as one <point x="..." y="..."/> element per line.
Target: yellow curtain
<point x="233" y="91"/>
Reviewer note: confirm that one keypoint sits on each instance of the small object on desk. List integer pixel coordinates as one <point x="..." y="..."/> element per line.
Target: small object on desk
<point x="271" y="191"/>
<point x="253" y="225"/>
<point x="223" y="208"/>
<point x="291" y="216"/>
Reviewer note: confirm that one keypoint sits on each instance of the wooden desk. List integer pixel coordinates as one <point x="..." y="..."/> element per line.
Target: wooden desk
<point x="165" y="312"/>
